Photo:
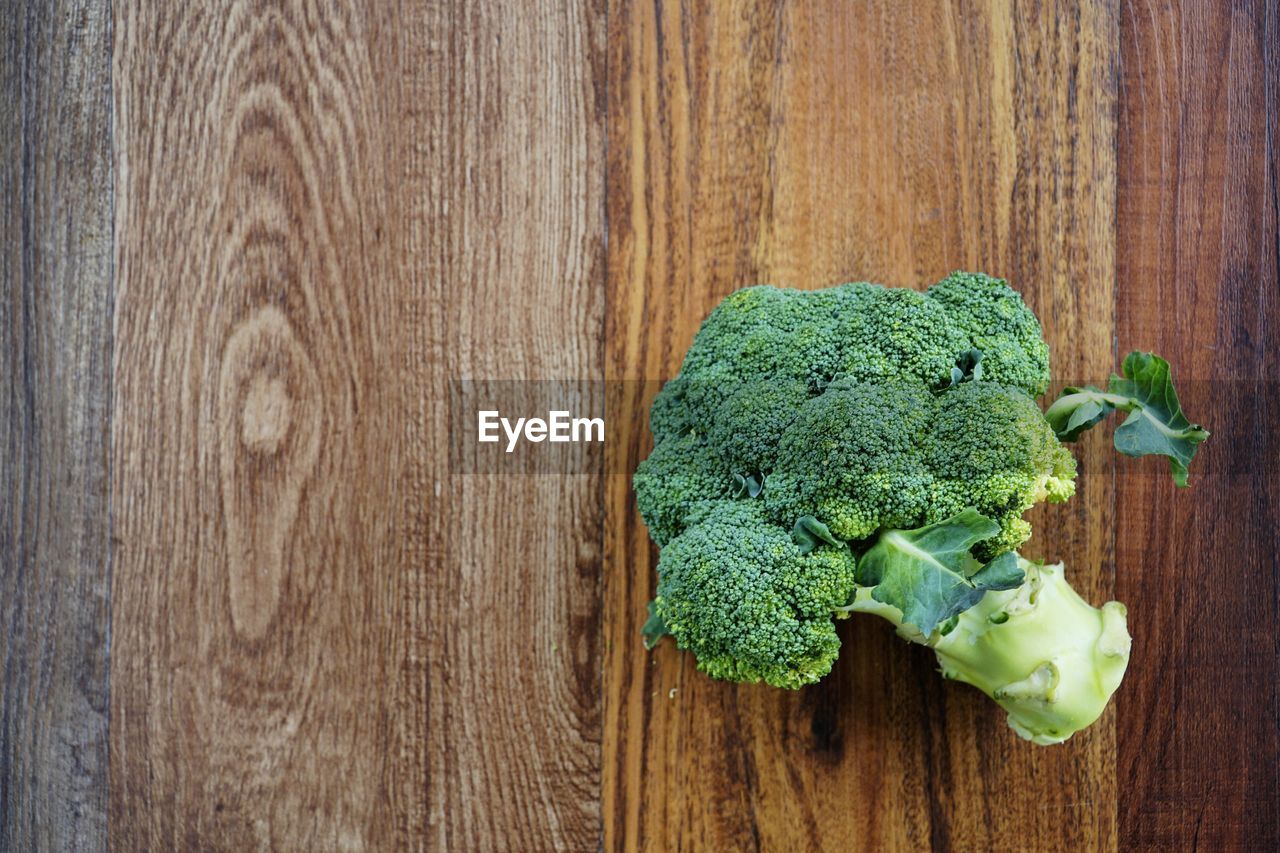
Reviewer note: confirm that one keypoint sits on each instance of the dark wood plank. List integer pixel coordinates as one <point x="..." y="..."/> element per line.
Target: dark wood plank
<point x="1197" y="281"/>
<point x="326" y="638"/>
<point x="807" y="145"/>
<point x="55" y="354"/>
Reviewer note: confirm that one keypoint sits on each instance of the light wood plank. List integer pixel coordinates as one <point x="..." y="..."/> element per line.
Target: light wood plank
<point x="259" y="585"/>
<point x="326" y="637"/>
<point x="507" y="246"/>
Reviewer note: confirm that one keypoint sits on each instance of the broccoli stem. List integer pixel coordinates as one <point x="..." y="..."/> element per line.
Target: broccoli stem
<point x="1068" y="403"/>
<point x="1043" y="653"/>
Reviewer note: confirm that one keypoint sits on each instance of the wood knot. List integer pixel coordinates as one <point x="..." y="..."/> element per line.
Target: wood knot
<point x="269" y="425"/>
<point x="264" y="421"/>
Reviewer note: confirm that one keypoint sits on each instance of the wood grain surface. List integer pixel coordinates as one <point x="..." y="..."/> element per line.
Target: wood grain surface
<point x="55" y="375"/>
<point x="261" y="612"/>
<point x="509" y="234"/>
<point x="1199" y="719"/>
<point x="809" y="145"/>
<point x="319" y="211"/>
<point x="252" y="247"/>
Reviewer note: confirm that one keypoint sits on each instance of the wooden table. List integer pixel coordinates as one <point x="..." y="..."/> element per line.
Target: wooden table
<point x="247" y="246"/>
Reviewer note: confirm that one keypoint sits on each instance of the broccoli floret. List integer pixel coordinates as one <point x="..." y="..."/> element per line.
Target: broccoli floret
<point x="736" y="591"/>
<point x="681" y="475"/>
<point x="899" y="334"/>
<point x="854" y="458"/>
<point x="991" y="448"/>
<point x="763" y="332"/>
<point x="669" y="416"/>
<point x="752" y="420"/>
<point x="999" y="325"/>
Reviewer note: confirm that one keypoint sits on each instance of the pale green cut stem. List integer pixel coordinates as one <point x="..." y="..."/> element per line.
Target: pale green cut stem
<point x="1048" y="657"/>
<point x="1070" y="401"/>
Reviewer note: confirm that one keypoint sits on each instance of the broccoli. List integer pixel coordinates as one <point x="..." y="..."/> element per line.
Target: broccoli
<point x="873" y="449"/>
<point x="866" y="456"/>
<point x="742" y="596"/>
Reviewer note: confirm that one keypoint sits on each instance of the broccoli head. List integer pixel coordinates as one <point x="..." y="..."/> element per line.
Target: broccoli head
<point x="863" y="406"/>
<point x="866" y="456"/>
<point x="681" y="475"/>
<point x="996" y="322"/>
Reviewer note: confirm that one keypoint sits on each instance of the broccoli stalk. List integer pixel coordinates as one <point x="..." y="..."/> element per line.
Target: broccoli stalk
<point x="1012" y="628"/>
<point x="1042" y="652"/>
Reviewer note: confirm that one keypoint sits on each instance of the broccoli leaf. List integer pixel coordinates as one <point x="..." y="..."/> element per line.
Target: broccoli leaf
<point x="1076" y="410"/>
<point x="654" y="628"/>
<point x="1001" y="573"/>
<point x="929" y="573"/>
<point x="809" y="533"/>
<point x="749" y="486"/>
<point x="1156" y="424"/>
<point x="967" y="366"/>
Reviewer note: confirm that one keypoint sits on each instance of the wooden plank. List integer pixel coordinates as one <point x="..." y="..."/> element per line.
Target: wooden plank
<point x="325" y="637"/>
<point x="55" y="345"/>
<point x="808" y="145"/>
<point x="257" y="492"/>
<point x="508" y="246"/>
<point x="1198" y="282"/>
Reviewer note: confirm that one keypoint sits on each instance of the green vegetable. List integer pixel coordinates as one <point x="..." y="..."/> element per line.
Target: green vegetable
<point x="1156" y="424"/>
<point x="1038" y="649"/>
<point x="840" y="404"/>
<point x="748" y="602"/>
<point x="871" y="449"/>
<point x="930" y="574"/>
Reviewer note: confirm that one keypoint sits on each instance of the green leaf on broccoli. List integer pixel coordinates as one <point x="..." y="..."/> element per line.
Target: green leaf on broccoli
<point x="749" y="486"/>
<point x="930" y="573"/>
<point x="967" y="366"/>
<point x="654" y="628"/>
<point x="809" y="533"/>
<point x="1156" y="424"/>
